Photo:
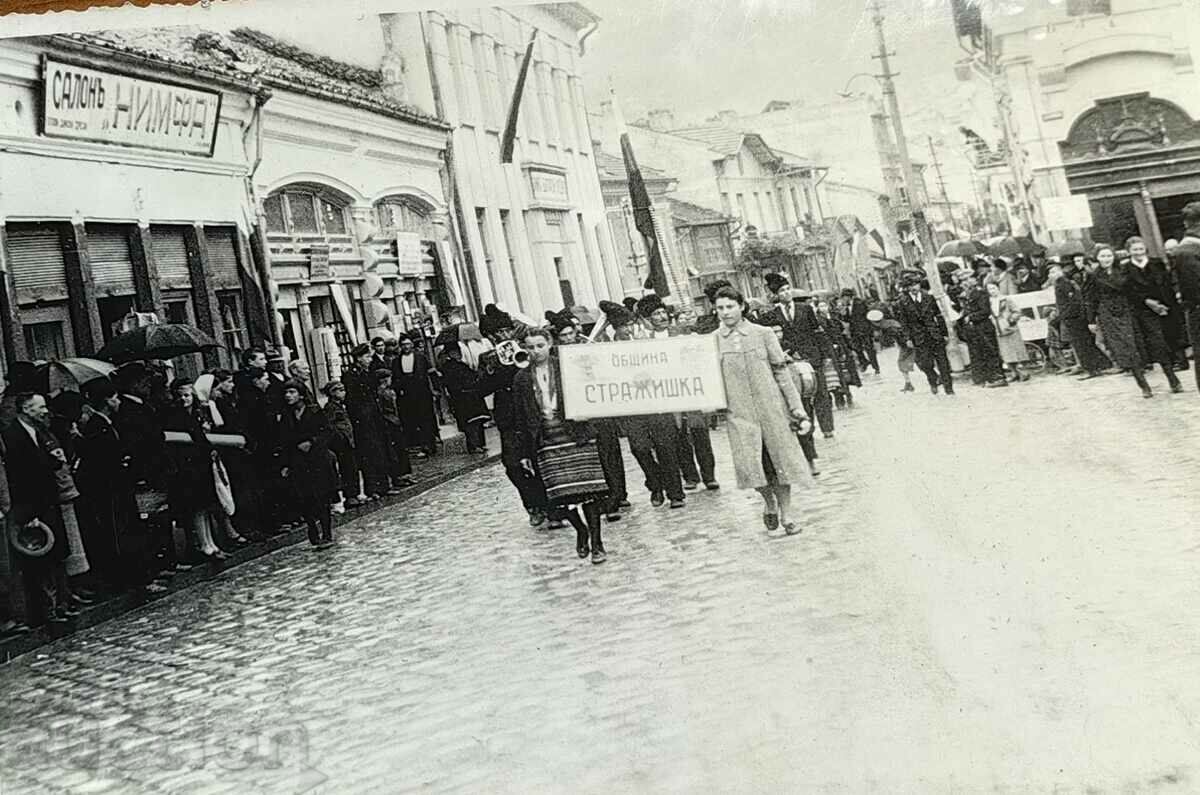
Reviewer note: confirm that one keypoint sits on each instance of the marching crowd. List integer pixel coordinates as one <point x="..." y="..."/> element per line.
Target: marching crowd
<point x="119" y="486"/>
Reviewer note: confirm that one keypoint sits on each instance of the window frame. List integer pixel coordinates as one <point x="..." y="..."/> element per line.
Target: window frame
<point x="317" y="198"/>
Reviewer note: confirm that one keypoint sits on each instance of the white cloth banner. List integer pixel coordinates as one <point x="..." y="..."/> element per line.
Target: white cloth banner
<point x="650" y="376"/>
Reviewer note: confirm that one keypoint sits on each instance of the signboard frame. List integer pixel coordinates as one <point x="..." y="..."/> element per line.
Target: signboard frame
<point x="575" y="408"/>
<point x="43" y="105"/>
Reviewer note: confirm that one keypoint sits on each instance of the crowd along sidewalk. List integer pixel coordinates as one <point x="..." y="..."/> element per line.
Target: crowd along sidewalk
<point x="452" y="461"/>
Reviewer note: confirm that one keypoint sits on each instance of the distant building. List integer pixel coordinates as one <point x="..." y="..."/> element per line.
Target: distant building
<point x="1105" y="104"/>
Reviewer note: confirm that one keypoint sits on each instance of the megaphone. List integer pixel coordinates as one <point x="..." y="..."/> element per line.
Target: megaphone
<point x="510" y="353"/>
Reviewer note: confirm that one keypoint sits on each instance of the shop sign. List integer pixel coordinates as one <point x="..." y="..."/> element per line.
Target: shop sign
<point x="87" y="104"/>
<point x="409" y="259"/>
<point x="548" y="186"/>
<point x="652" y="376"/>
<point x="318" y="262"/>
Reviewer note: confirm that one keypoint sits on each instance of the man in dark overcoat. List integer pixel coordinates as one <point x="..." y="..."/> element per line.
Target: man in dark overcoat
<point x="802" y="337"/>
<point x="918" y="313"/>
<point x="367" y="421"/>
<point x="33" y="490"/>
<point x="862" y="333"/>
<point x="1073" y="318"/>
<point x="1186" y="261"/>
<point x="410" y="379"/>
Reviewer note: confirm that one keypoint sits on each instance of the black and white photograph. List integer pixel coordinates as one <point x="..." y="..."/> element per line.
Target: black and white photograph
<point x="616" y="396"/>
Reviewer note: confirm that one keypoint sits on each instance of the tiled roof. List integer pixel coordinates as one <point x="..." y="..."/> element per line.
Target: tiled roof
<point x="611" y="167"/>
<point x="717" y="137"/>
<point x="250" y="56"/>
<point x="694" y="215"/>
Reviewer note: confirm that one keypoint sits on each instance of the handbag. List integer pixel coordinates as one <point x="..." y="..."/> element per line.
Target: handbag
<point x="224" y="491"/>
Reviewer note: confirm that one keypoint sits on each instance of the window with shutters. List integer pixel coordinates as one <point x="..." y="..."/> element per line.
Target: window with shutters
<point x="110" y="259"/>
<point x="404" y="214"/>
<point x="307" y="210"/>
<point x="168" y="245"/>
<point x="35" y="259"/>
<point x="222" y="257"/>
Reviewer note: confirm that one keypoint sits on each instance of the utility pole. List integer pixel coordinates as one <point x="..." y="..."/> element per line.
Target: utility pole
<point x="937" y="167"/>
<point x="916" y="206"/>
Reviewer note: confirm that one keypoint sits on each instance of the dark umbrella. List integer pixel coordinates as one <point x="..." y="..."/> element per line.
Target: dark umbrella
<point x="157" y="341"/>
<point x="960" y="248"/>
<point x="1016" y="247"/>
<point x="1066" y="249"/>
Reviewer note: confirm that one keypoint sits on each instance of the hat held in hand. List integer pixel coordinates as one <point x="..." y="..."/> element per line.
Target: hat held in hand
<point x="33" y="540"/>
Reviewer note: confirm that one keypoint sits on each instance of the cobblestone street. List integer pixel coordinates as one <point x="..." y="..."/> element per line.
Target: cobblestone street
<point x="993" y="593"/>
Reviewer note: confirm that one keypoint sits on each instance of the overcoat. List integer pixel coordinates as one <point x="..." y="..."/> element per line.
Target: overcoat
<point x="308" y="472"/>
<point x="1111" y="309"/>
<point x="760" y="394"/>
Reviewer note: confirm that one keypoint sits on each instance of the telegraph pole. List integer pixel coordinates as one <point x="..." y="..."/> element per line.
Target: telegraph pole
<point x="916" y="206"/>
<point x="937" y="167"/>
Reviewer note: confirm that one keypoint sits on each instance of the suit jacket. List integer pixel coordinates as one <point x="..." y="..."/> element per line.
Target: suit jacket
<point x="101" y="458"/>
<point x="1152" y="282"/>
<point x="922" y="321"/>
<point x="309" y="472"/>
<point x="1068" y="297"/>
<point x="32" y="484"/>
<point x="977" y="307"/>
<point x="801" y="335"/>
<point x="527" y="406"/>
<point x="1186" y="261"/>
<point x="412" y="385"/>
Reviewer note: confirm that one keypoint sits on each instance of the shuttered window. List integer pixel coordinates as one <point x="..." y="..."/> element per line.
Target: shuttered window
<point x="35" y="259"/>
<point x="170" y="257"/>
<point x="222" y="257"/>
<point x="112" y="266"/>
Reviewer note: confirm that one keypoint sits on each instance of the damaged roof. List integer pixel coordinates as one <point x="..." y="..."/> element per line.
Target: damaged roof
<point x="252" y="57"/>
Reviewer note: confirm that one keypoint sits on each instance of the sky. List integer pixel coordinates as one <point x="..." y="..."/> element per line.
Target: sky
<point x="698" y="57"/>
<point x="710" y="55"/>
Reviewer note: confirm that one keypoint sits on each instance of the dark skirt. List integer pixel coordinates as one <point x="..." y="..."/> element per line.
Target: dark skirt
<point x="1120" y="337"/>
<point x="571" y="471"/>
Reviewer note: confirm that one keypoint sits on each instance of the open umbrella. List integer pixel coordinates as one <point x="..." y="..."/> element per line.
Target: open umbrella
<point x="1016" y="247"/>
<point x="960" y="248"/>
<point x="157" y="341"/>
<point x="1066" y="249"/>
<point x="70" y="374"/>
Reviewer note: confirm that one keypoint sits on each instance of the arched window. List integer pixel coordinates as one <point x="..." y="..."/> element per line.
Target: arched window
<point x="404" y="214"/>
<point x="306" y="210"/>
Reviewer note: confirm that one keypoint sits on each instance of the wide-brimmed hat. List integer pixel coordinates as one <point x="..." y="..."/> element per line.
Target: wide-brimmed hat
<point x="33" y="540"/>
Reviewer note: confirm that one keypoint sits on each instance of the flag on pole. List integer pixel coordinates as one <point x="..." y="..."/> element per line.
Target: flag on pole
<point x="510" y="128"/>
<point x="643" y="218"/>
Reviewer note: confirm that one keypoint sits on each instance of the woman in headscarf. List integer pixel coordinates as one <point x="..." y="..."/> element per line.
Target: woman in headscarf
<point x="763" y="405"/>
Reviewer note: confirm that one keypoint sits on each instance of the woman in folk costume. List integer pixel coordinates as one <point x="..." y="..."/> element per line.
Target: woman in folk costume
<point x="763" y="404"/>
<point x="561" y="451"/>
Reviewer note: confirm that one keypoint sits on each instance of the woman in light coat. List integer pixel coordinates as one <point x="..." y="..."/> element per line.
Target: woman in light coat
<point x="763" y="405"/>
<point x="1008" y="333"/>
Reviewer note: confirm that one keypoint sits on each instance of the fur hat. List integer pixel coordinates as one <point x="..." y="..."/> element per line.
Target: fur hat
<point x="494" y="319"/>
<point x="630" y="303"/>
<point x="360" y="349"/>
<point x="617" y="314"/>
<point x="649" y="304"/>
<point x="775" y="281"/>
<point x="710" y="289"/>
<point x="560" y="320"/>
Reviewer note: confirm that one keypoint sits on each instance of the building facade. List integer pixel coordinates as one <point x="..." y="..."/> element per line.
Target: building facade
<point x="124" y="192"/>
<point x="534" y="233"/>
<point x="1104" y="105"/>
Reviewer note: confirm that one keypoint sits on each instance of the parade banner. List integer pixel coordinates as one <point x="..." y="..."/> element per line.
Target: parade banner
<point x="654" y="376"/>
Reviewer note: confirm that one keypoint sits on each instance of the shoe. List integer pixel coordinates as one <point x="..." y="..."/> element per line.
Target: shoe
<point x="950" y="390"/>
<point x="624" y="505"/>
<point x="337" y="509"/>
<point x="406" y="481"/>
<point x="933" y="389"/>
<point x="183" y="567"/>
<point x="657" y="499"/>
<point x="216" y="555"/>
<point x="908" y="388"/>
<point x="712" y="485"/>
<point x="392" y="492"/>
<point x="771" y="521"/>
<point x="241" y="541"/>
<point x="995" y="384"/>
<point x="790" y="527"/>
<point x="598" y="553"/>
<point x="71" y="612"/>
<point x="82" y="601"/>
<point x="156" y="588"/>
<point x="690" y="485"/>
<point x="581" y="544"/>
<point x="613" y="516"/>
<point x="536" y="518"/>
<point x="812" y="469"/>
<point x="353" y="502"/>
<point x="13" y="629"/>
<point x="1176" y="386"/>
<point x="829" y="434"/>
<point x="1146" y="393"/>
<point x="677" y="503"/>
<point x="555" y="524"/>
<point x="57" y="619"/>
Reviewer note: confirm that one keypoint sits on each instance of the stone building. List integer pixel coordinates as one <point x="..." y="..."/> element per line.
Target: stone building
<point x="1105" y="101"/>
